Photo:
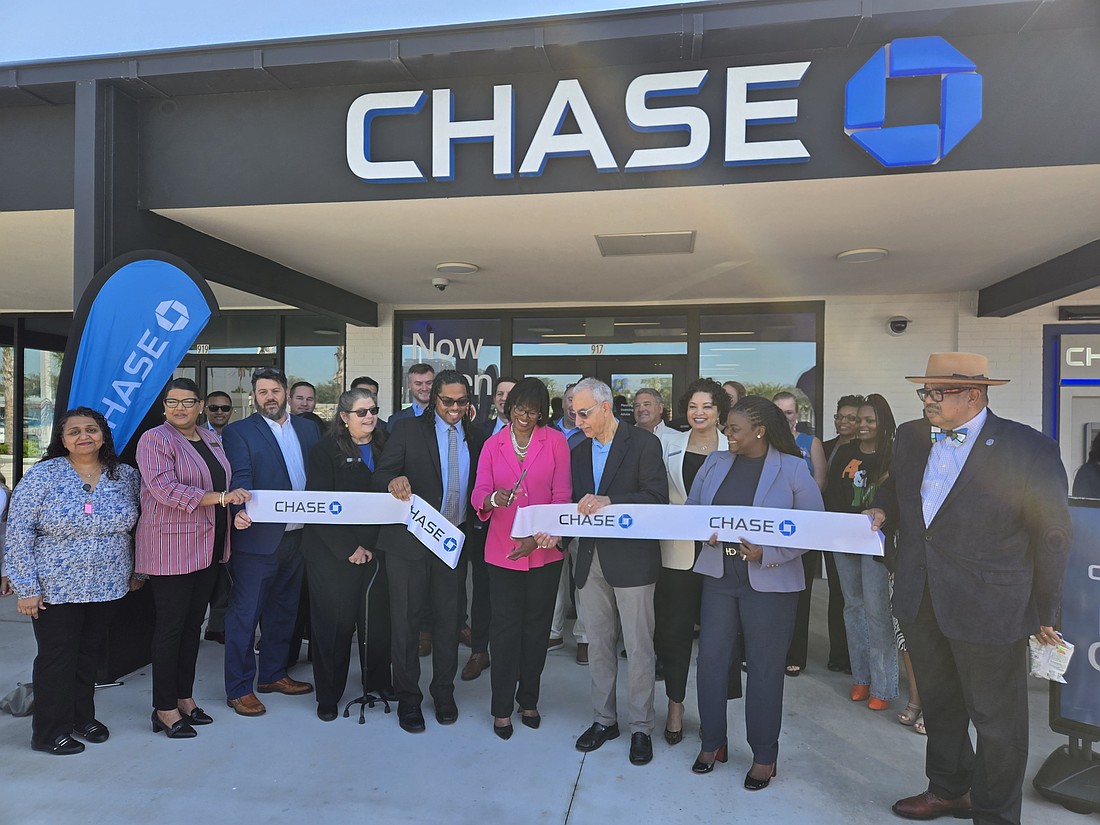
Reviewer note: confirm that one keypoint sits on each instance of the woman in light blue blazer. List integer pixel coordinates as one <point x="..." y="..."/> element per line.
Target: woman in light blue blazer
<point x="749" y="589"/>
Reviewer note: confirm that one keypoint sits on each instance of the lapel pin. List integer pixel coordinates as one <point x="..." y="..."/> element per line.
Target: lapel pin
<point x="989" y="442"/>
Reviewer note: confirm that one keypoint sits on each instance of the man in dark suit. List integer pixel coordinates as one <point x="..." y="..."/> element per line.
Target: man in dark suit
<point x="616" y="578"/>
<point x="419" y="380"/>
<point x="979" y="503"/>
<point x="268" y="451"/>
<point x="434" y="456"/>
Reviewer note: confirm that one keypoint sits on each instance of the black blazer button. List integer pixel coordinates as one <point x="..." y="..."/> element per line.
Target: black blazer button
<point x="928" y="537"/>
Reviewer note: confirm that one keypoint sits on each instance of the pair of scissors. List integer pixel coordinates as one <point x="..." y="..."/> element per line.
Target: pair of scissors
<point x="515" y="487"/>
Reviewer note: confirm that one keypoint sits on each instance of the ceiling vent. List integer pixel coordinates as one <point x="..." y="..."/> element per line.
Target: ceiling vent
<point x="647" y="243"/>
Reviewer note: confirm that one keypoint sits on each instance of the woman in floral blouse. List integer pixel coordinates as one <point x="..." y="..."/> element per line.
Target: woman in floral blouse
<point x="70" y="558"/>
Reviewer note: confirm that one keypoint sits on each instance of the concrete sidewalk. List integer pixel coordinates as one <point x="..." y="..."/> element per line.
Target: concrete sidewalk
<point x="840" y="763"/>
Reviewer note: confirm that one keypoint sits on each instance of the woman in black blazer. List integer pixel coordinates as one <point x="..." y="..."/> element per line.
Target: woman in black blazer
<point x="341" y="563"/>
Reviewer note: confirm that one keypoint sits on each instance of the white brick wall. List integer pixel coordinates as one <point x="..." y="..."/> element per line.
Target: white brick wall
<point x="860" y="356"/>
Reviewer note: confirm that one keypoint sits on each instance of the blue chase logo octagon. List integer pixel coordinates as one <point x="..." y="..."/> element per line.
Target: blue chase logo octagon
<point x="787" y="527"/>
<point x="335" y="508"/>
<point x="625" y="520"/>
<point x="923" y="144"/>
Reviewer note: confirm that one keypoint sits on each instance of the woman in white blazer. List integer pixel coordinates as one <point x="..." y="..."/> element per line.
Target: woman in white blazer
<point x="748" y="589"/>
<point x="676" y="599"/>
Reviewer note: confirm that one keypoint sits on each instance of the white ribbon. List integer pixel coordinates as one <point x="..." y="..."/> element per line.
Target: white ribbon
<point x="800" y="529"/>
<point x="421" y="519"/>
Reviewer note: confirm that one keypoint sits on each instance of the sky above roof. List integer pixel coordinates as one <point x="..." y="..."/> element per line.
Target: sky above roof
<point x="76" y="28"/>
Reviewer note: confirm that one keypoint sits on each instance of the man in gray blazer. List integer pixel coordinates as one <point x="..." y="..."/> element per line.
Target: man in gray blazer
<point x="616" y="577"/>
<point x="979" y="503"/>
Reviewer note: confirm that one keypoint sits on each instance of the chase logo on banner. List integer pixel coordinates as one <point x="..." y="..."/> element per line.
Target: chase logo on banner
<point x="787" y="527"/>
<point x="625" y="521"/>
<point x="921" y="144"/>
<point x="335" y="508"/>
<point x="450" y="545"/>
<point x="136" y="321"/>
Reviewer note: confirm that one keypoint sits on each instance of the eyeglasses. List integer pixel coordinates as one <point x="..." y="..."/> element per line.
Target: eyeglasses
<point x="454" y="402"/>
<point x="937" y="394"/>
<point x="850" y="419"/>
<point x="219" y="408"/>
<point x="186" y="403"/>
<point x="363" y="412"/>
<point x="522" y="413"/>
<point x="585" y="413"/>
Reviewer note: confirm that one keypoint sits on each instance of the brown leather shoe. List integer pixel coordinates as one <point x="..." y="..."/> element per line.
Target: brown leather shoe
<point x="929" y="806"/>
<point x="286" y="685"/>
<point x="478" y="662"/>
<point x="582" y="653"/>
<point x="247" y="705"/>
<point x="554" y="642"/>
<point x="466" y="636"/>
<point x="425" y="648"/>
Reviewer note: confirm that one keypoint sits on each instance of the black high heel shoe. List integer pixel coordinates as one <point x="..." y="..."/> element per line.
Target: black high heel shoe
<point x="700" y="766"/>
<point x="503" y="731"/>
<point x="753" y="784"/>
<point x="533" y="721"/>
<point x="179" y="730"/>
<point x="196" y="717"/>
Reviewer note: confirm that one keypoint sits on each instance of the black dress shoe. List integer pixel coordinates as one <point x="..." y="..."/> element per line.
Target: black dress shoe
<point x="532" y="722"/>
<point x="504" y="731"/>
<point x="753" y="784"/>
<point x="446" y="714"/>
<point x="596" y="735"/>
<point x="94" y="732"/>
<point x="327" y="713"/>
<point x="410" y="718"/>
<point x="181" y="729"/>
<point x="198" y="717"/>
<point x="641" y="749"/>
<point x="64" y="745"/>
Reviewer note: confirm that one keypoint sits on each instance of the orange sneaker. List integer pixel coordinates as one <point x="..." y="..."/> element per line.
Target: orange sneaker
<point x="860" y="693"/>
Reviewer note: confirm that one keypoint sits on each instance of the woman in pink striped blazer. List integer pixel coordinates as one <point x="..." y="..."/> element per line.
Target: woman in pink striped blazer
<point x="182" y="535"/>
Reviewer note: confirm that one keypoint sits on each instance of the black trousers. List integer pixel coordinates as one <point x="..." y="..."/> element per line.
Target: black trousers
<point x="181" y="604"/>
<point x="480" y="612"/>
<point x="219" y="599"/>
<point x="420" y="588"/>
<point x="838" y="637"/>
<point x="960" y="683"/>
<point x="523" y="609"/>
<point x="70" y="644"/>
<point x="338" y="598"/>
<point x="676" y="609"/>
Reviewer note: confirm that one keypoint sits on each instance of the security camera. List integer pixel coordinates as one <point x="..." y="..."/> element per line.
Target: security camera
<point x="897" y="325"/>
<point x="440" y="283"/>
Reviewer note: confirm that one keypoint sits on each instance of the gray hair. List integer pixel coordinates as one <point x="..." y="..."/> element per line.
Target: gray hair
<point x="650" y="391"/>
<point x="599" y="390"/>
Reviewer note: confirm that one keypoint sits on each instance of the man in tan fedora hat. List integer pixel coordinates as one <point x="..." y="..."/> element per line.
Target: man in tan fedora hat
<point x="979" y="503"/>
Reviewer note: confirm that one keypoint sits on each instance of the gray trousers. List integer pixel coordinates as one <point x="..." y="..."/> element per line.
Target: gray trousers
<point x="605" y="609"/>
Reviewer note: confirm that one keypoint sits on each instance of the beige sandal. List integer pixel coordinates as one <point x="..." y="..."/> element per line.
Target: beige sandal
<point x="918" y="726"/>
<point x="910" y="715"/>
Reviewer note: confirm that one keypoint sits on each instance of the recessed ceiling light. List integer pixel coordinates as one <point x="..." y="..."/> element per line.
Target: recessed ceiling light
<point x="456" y="268"/>
<point x="325" y="331"/>
<point x="862" y="256"/>
<point x="540" y="329"/>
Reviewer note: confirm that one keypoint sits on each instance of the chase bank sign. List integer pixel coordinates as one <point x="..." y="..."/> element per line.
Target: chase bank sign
<point x="864" y="119"/>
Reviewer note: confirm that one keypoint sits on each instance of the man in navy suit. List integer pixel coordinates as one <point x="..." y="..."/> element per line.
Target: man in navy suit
<point x="419" y="378"/>
<point x="435" y="456"/>
<point x="268" y="451"/>
<point x="983" y="536"/>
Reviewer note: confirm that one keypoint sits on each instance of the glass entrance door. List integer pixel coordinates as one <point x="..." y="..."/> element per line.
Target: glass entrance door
<point x="625" y="374"/>
<point x="231" y="374"/>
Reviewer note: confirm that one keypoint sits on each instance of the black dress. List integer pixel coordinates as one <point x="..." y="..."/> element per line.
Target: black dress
<point x="338" y="589"/>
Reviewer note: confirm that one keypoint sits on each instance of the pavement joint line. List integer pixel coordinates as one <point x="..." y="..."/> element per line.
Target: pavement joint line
<point x="576" y="784"/>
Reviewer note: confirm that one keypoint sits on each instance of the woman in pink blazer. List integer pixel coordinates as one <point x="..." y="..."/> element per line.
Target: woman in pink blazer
<point x="525" y="463"/>
<point x="182" y="535"/>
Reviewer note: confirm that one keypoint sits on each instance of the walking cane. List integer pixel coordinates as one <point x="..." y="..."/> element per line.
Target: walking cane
<point x="368" y="699"/>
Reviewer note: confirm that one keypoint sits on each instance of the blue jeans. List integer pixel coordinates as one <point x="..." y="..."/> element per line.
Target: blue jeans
<point x="872" y="645"/>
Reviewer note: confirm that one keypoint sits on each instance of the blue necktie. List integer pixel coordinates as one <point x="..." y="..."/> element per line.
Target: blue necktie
<point x="956" y="437"/>
<point x="452" y="491"/>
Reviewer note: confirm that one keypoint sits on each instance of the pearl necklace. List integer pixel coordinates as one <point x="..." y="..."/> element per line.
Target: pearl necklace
<point x="521" y="452"/>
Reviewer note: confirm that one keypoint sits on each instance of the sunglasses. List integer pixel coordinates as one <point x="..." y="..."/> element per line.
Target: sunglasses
<point x="454" y="402"/>
<point x="363" y="412"/>
<point x="219" y="408"/>
<point x="585" y="413"/>
<point x="186" y="403"/>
